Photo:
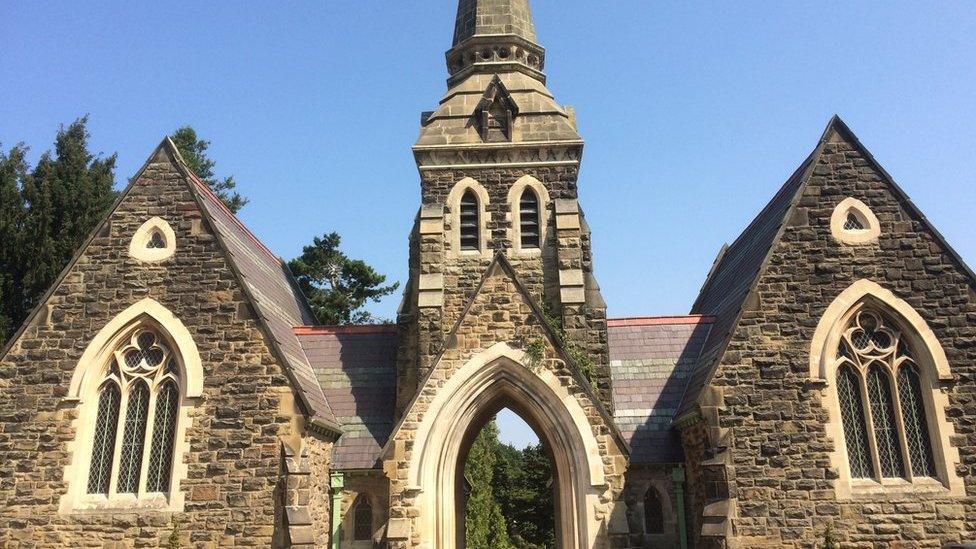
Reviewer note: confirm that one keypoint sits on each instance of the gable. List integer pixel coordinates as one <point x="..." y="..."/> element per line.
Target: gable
<point x="209" y="238"/>
<point x="838" y="168"/>
<point x="502" y="311"/>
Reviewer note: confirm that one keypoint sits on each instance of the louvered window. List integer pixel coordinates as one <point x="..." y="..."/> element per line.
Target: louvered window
<point x="653" y="512"/>
<point x="871" y="348"/>
<point x="496" y="123"/>
<point x="363" y="520"/>
<point x="470" y="228"/>
<point x="141" y="387"/>
<point x="529" y="219"/>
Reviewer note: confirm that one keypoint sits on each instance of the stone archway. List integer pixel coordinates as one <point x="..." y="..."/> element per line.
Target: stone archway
<point x="493" y="379"/>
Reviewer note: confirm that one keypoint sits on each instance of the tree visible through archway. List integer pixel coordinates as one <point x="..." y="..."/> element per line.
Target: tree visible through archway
<point x="509" y="489"/>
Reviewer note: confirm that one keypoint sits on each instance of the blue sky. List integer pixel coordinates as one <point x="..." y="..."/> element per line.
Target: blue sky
<point x="694" y="112"/>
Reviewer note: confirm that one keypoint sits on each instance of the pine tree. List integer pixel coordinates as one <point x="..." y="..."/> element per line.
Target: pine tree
<point x="66" y="195"/>
<point x="13" y="171"/>
<point x="484" y="522"/>
<point x="337" y="287"/>
<point x="194" y="152"/>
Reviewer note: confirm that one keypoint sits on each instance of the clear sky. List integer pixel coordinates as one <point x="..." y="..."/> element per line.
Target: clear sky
<point x="694" y="112"/>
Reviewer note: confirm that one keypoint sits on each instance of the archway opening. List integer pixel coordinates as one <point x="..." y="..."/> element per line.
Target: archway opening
<point x="506" y="497"/>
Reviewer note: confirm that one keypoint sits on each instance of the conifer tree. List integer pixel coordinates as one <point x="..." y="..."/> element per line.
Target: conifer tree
<point x="66" y="195"/>
<point x="337" y="287"/>
<point x="13" y="171"/>
<point x="194" y="152"/>
<point x="484" y="522"/>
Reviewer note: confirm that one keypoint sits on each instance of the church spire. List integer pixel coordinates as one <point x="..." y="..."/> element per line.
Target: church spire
<point x="494" y="36"/>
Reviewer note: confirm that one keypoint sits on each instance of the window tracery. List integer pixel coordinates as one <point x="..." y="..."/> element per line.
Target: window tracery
<point x="141" y="386"/>
<point x="878" y="381"/>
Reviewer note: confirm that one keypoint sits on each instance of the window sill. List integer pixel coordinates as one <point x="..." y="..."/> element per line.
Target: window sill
<point x="895" y="489"/>
<point x="89" y="504"/>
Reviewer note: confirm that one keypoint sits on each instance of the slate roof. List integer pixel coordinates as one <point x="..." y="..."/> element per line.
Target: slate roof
<point x="650" y="360"/>
<point x="271" y="288"/>
<point x="356" y="367"/>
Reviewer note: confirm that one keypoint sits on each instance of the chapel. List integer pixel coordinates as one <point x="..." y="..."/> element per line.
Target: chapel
<point x="820" y="389"/>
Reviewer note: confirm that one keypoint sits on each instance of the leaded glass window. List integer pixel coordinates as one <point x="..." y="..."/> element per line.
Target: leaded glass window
<point x="362" y="520"/>
<point x="883" y="412"/>
<point x="156" y="241"/>
<point x="470" y="228"/>
<point x="852" y="415"/>
<point x="878" y="380"/>
<point x="653" y="512"/>
<point x="913" y="417"/>
<point x="141" y="387"/>
<point x="103" y="446"/>
<point x="852" y="223"/>
<point x="529" y="219"/>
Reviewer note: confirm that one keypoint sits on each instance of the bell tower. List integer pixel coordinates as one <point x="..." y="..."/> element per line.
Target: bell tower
<point x="499" y="163"/>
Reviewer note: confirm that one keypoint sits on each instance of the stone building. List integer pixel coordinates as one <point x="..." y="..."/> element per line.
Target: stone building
<point x="822" y="385"/>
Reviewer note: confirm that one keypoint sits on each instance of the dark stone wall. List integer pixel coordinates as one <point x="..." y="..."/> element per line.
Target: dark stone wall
<point x="234" y="448"/>
<point x="780" y="462"/>
<point x="540" y="274"/>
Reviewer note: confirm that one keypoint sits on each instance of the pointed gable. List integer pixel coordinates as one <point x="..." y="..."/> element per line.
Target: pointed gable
<point x="502" y="310"/>
<point x="730" y="285"/>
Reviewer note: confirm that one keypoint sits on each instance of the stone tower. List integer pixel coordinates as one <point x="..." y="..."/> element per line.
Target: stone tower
<point x="499" y="164"/>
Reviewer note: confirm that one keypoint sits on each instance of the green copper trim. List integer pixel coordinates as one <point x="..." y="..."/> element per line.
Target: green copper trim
<point x="678" y="476"/>
<point x="337" y="483"/>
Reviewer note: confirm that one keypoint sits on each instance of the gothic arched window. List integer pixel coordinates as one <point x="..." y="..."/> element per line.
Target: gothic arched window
<point x="362" y="520"/>
<point x="529" y="219"/>
<point x="877" y="384"/>
<point x="470" y="228"/>
<point x="653" y="512"/>
<point x="136" y="420"/>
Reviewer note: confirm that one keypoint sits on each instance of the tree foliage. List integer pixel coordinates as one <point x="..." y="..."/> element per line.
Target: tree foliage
<point x="337" y="287"/>
<point x="46" y="214"/>
<point x="194" y="152"/>
<point x="483" y="519"/>
<point x="509" y="488"/>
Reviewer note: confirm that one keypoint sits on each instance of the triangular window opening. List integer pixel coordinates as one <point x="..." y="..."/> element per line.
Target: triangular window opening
<point x="156" y="241"/>
<point x="853" y="223"/>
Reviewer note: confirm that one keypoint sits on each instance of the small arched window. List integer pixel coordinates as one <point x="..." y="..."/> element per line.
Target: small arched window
<point x="653" y="512"/>
<point x="529" y="219"/>
<point x="141" y="387"/>
<point x="470" y="223"/>
<point x="878" y="381"/>
<point x="362" y="520"/>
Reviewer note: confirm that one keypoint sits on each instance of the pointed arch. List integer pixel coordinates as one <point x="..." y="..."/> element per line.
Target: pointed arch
<point x="882" y="370"/>
<point x="150" y="363"/>
<point x="516" y="193"/>
<point x="153" y="241"/>
<point x="490" y="380"/>
<point x="93" y="360"/>
<point x="458" y="201"/>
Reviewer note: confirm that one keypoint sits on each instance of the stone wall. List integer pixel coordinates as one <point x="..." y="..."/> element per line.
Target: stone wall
<point x="432" y="254"/>
<point x="234" y="453"/>
<point x="497" y="314"/>
<point x="782" y="470"/>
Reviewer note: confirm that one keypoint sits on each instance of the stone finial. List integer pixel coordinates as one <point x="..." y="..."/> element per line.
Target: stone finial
<point x="495" y="36"/>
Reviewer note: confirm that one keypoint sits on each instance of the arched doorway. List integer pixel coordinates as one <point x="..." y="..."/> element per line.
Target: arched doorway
<point x="491" y="380"/>
<point x="506" y="489"/>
